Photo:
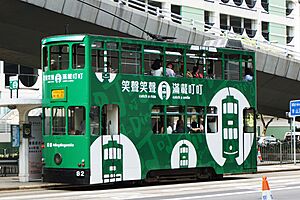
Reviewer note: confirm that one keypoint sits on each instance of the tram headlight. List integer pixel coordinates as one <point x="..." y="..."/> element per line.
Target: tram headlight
<point x="57" y="159"/>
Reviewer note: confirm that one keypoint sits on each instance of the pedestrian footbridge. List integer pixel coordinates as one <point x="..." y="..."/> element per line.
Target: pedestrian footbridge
<point x="24" y="22"/>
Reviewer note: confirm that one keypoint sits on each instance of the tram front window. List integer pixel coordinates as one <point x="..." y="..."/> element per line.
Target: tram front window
<point x="76" y="120"/>
<point x="59" y="57"/>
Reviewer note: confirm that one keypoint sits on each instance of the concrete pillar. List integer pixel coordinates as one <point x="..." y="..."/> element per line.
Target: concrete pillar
<point x="24" y="146"/>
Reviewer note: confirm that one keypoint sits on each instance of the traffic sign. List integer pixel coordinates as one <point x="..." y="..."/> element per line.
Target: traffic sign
<point x="295" y="108"/>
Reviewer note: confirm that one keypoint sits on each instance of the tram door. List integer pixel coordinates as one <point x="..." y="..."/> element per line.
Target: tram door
<point x="112" y="149"/>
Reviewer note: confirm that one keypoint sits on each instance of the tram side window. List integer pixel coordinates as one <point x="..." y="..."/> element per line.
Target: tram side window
<point x="131" y="59"/>
<point x="76" y="120"/>
<point x="157" y="119"/>
<point x="174" y="62"/>
<point x="212" y="120"/>
<point x="94" y="120"/>
<point x="214" y="69"/>
<point x="105" y="58"/>
<point x="195" y="119"/>
<point x="110" y="119"/>
<point x="97" y="56"/>
<point x="247" y="67"/>
<point x="45" y="59"/>
<point x="194" y="64"/>
<point x="78" y="56"/>
<point x="46" y="120"/>
<point x="59" y="57"/>
<point x="249" y="120"/>
<point x="175" y="120"/>
<point x="232" y="67"/>
<point x="58" y="121"/>
<point x="153" y="61"/>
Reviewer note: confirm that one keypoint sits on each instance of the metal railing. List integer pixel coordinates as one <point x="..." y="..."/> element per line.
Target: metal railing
<point x="9" y="167"/>
<point x="279" y="153"/>
<point x="165" y="14"/>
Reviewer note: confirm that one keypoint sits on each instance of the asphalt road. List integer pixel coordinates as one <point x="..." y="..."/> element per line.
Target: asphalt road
<point x="284" y="185"/>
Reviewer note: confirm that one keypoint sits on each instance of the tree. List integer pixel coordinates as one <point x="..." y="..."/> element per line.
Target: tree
<point x="265" y="126"/>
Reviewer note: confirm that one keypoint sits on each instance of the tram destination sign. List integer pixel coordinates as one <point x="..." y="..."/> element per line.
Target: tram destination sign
<point x="295" y="108"/>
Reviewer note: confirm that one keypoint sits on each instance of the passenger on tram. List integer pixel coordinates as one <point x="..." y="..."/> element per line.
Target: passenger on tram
<point x="196" y="72"/>
<point x="248" y="74"/>
<point x="169" y="70"/>
<point x="156" y="68"/>
<point x="195" y="128"/>
<point x="180" y="126"/>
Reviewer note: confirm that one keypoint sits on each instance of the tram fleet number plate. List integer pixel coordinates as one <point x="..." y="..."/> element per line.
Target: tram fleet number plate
<point x="58" y="94"/>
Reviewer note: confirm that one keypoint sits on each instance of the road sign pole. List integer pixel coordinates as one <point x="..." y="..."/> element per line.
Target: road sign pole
<point x="294" y="136"/>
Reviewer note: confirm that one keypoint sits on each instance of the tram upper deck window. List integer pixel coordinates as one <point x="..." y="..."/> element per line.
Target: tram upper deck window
<point x="247" y="68"/>
<point x="108" y="56"/>
<point x="45" y="59"/>
<point x="59" y="57"/>
<point x="131" y="59"/>
<point x="78" y="56"/>
<point x="58" y="121"/>
<point x="76" y="120"/>
<point x="46" y="120"/>
<point x="152" y="61"/>
<point x="175" y="58"/>
<point x="232" y="67"/>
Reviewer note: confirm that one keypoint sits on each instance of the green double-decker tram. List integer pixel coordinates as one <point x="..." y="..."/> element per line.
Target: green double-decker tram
<point x="119" y="109"/>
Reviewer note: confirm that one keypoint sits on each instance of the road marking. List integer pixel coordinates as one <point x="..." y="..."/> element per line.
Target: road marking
<point x="228" y="194"/>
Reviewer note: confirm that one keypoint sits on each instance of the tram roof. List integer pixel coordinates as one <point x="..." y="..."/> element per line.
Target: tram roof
<point x="208" y="45"/>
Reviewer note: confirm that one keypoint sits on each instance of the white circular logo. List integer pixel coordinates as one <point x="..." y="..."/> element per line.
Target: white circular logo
<point x="58" y="78"/>
<point x="164" y="90"/>
<point x="219" y="144"/>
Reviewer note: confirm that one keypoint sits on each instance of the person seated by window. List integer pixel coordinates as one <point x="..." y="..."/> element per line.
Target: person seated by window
<point x="189" y="74"/>
<point x="169" y="128"/>
<point x="169" y="70"/>
<point x="195" y="128"/>
<point x="196" y="72"/>
<point x="180" y="126"/>
<point x="156" y="68"/>
<point x="248" y="74"/>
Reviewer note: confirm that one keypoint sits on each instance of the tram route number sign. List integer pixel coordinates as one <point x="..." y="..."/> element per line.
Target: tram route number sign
<point x="295" y="108"/>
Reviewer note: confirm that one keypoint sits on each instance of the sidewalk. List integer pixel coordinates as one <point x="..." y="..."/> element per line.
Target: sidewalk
<point x="12" y="182"/>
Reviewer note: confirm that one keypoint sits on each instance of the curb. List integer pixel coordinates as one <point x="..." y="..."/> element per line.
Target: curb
<point x="29" y="187"/>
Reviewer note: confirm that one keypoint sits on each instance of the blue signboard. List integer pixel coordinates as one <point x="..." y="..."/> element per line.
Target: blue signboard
<point x="15" y="135"/>
<point x="295" y="108"/>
